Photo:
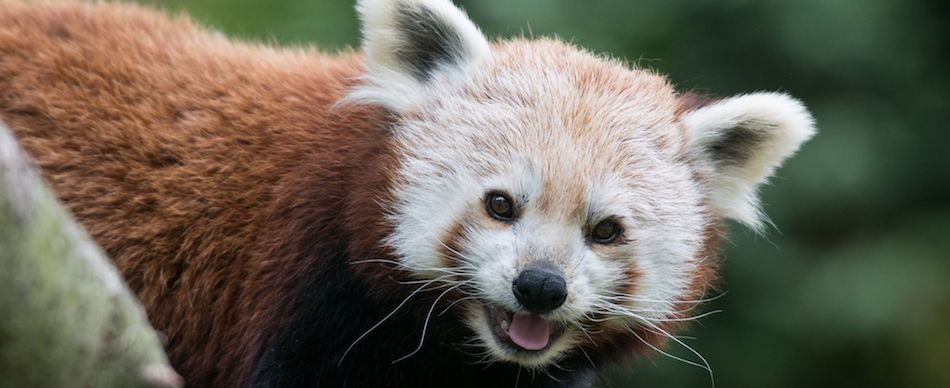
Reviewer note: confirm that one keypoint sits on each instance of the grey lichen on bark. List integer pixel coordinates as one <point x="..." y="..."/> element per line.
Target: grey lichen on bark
<point x="66" y="317"/>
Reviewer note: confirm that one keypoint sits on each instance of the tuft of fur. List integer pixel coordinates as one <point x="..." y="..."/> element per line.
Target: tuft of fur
<point x="744" y="139"/>
<point x="182" y="154"/>
<point x="408" y="42"/>
<point x="292" y="218"/>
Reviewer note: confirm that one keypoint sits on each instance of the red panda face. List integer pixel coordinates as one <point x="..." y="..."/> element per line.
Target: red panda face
<point x="552" y="191"/>
<point x="567" y="200"/>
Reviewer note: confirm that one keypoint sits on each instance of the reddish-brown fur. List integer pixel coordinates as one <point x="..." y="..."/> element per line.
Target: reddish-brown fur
<point x="184" y="155"/>
<point x="202" y="166"/>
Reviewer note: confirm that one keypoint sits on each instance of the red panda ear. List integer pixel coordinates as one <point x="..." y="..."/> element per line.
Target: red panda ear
<point x="408" y="43"/>
<point x="742" y="140"/>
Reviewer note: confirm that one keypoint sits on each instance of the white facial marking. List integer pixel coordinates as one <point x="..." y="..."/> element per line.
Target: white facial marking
<point x="573" y="139"/>
<point x="520" y="141"/>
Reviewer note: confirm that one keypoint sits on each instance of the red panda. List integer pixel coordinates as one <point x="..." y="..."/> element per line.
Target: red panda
<point x="435" y="210"/>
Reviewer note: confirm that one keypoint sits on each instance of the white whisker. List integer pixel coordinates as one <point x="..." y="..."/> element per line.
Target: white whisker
<point x="631" y="298"/>
<point x="370" y="330"/>
<point x="381" y="261"/>
<point x="587" y="356"/>
<point x="455" y="303"/>
<point x="704" y="365"/>
<point x="425" y="325"/>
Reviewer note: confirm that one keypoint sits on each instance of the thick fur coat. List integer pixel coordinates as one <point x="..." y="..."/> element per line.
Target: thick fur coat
<point x="293" y="218"/>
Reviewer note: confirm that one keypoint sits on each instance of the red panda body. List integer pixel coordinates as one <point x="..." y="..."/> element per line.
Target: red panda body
<point x="245" y="201"/>
<point x="185" y="156"/>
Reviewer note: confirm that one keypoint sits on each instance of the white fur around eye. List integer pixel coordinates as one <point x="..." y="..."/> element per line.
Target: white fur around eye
<point x="558" y="129"/>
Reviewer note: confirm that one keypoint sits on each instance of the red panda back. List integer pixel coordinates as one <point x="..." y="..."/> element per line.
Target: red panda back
<point x="168" y="143"/>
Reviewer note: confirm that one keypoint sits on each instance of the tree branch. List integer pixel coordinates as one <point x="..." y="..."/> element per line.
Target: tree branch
<point x="66" y="317"/>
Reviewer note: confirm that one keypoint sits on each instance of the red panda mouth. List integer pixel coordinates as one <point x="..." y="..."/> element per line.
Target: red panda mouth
<point x="520" y="331"/>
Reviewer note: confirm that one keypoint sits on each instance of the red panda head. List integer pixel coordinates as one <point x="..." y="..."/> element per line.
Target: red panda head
<point x="565" y="202"/>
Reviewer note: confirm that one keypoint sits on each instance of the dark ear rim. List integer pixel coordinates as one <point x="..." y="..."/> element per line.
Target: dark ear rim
<point x="738" y="144"/>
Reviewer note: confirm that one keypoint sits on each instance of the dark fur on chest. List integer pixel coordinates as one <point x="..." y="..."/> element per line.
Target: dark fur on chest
<point x="335" y="308"/>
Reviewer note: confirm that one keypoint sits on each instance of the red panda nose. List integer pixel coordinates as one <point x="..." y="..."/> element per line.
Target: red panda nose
<point x="540" y="288"/>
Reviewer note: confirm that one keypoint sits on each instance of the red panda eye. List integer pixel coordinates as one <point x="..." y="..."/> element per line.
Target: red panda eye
<point x="499" y="206"/>
<point x="605" y="232"/>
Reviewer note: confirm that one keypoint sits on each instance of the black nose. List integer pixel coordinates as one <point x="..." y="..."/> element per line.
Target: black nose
<point x="540" y="288"/>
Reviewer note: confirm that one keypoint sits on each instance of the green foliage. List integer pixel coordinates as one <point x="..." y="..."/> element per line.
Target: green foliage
<point x="853" y="286"/>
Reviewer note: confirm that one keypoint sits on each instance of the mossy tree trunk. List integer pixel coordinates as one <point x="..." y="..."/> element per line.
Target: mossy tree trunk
<point x="66" y="317"/>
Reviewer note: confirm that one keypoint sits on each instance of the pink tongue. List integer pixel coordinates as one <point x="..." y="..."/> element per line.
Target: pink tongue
<point x="529" y="331"/>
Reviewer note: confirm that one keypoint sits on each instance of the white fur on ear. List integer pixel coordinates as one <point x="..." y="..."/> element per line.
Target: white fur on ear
<point x="743" y="140"/>
<point x="407" y="43"/>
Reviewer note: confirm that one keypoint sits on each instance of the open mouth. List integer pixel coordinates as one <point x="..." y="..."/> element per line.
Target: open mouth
<point x="529" y="333"/>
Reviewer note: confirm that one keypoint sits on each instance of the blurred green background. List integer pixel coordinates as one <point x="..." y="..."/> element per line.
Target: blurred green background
<point x="852" y="286"/>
